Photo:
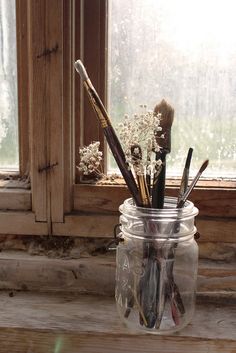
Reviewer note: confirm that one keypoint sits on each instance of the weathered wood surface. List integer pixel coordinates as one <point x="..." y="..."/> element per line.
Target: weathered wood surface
<point x="15" y="199"/>
<point x="216" y="230"/>
<point x="86" y="225"/>
<point x="54" y="107"/>
<point x="97" y="225"/>
<point x="23" y="84"/>
<point x="37" y="112"/>
<point x="216" y="221"/>
<point x="93" y="274"/>
<point x="68" y="116"/>
<point x="107" y="198"/>
<point x="38" y="273"/>
<point x="218" y="251"/>
<point x="33" y="341"/>
<point x="75" y="247"/>
<point x="70" y="324"/>
<point x="216" y="277"/>
<point x="21" y="223"/>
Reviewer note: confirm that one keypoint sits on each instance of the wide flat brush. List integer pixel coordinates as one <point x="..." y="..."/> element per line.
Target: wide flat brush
<point x="109" y="132"/>
<point x="164" y="140"/>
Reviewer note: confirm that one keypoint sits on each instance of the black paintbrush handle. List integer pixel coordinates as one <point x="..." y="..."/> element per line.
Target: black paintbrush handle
<point x="158" y="190"/>
<point x="148" y="182"/>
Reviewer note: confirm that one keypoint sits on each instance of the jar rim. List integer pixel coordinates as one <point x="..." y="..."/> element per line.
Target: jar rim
<point x="169" y="211"/>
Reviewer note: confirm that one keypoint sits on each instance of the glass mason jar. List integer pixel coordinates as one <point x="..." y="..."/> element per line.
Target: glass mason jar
<point x="156" y="266"/>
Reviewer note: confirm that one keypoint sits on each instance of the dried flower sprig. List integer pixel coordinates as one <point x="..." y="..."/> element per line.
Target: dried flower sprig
<point x="141" y="129"/>
<point x="90" y="159"/>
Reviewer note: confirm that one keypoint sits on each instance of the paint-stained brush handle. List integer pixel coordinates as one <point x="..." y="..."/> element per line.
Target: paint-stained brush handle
<point x="109" y="132"/>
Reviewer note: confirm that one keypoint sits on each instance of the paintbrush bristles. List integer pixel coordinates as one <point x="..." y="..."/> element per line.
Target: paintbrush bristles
<point x="204" y="166"/>
<point x="81" y="70"/>
<point x="188" y="159"/>
<point x="166" y="121"/>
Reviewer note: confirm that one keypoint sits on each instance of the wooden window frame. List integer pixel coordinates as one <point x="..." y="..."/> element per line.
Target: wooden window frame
<point x="40" y="55"/>
<point x="53" y="106"/>
<point x="16" y="216"/>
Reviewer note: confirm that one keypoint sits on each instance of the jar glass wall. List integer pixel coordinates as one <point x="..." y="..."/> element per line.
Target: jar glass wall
<point x="156" y="268"/>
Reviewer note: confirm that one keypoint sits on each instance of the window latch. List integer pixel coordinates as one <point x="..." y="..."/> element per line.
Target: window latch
<point x="47" y="167"/>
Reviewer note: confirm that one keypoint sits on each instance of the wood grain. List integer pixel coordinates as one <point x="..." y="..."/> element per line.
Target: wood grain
<point x="92" y="224"/>
<point x="36" y="341"/>
<point x="15" y="199"/>
<point x="218" y="251"/>
<point x="32" y="322"/>
<point x="94" y="274"/>
<point x="37" y="97"/>
<point x="67" y="96"/>
<point x="86" y="225"/>
<point x="216" y="229"/>
<point x="54" y="108"/>
<point x="104" y="198"/>
<point x="23" y="83"/>
<point x="21" y="223"/>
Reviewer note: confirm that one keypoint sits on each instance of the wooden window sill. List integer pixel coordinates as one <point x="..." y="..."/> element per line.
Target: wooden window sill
<point x="69" y="323"/>
<point x="15" y="195"/>
<point x="52" y="314"/>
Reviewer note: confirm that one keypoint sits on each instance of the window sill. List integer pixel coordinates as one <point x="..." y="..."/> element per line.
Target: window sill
<point x="95" y="274"/>
<point x="212" y="202"/>
<point x="69" y="323"/>
<point x="15" y="195"/>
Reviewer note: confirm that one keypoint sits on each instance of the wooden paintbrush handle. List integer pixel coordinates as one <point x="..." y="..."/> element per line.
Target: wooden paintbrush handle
<point x="143" y="190"/>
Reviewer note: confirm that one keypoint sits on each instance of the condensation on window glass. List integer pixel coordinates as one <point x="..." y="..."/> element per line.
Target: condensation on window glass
<point x="185" y="52"/>
<point x="9" y="154"/>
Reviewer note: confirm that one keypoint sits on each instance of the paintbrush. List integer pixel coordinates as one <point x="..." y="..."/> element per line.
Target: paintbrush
<point x="182" y="200"/>
<point x="185" y="175"/>
<point x="109" y="132"/>
<point x="151" y="297"/>
<point x="164" y="140"/>
<point x="177" y="306"/>
<point x="136" y="153"/>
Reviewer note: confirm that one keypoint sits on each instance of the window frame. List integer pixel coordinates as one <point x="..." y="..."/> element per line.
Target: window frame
<point x="25" y="207"/>
<point x="23" y="85"/>
<point x="53" y="106"/>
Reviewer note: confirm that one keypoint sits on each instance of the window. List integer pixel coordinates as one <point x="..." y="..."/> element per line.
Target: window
<point x="54" y="121"/>
<point x="183" y="51"/>
<point x="14" y="188"/>
<point x="213" y="197"/>
<point x="8" y="86"/>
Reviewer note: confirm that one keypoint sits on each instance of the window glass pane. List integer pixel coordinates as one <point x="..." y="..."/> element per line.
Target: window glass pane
<point x="183" y="51"/>
<point x="8" y="87"/>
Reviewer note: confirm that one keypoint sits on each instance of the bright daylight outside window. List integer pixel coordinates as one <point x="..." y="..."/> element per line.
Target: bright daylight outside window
<point x="9" y="159"/>
<point x="185" y="52"/>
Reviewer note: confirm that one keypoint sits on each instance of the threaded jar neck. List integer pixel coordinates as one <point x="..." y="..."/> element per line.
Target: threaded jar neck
<point x="169" y="222"/>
